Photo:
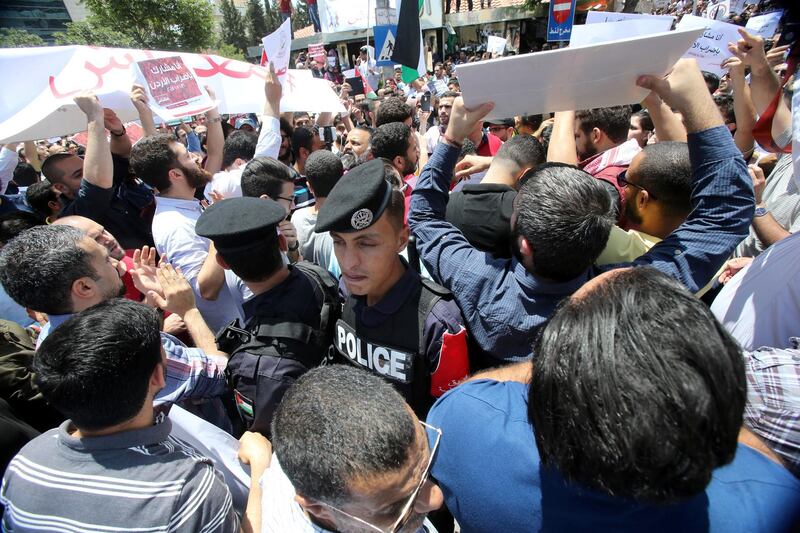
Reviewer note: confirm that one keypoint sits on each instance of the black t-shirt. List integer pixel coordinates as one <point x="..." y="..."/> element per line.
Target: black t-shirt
<point x="482" y="211"/>
<point x="125" y="210"/>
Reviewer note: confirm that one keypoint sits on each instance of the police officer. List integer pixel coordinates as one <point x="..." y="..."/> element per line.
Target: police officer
<point x="289" y="320"/>
<point x="394" y="323"/>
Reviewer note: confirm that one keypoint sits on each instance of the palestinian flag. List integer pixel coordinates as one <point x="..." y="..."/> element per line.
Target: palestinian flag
<point x="408" y="48"/>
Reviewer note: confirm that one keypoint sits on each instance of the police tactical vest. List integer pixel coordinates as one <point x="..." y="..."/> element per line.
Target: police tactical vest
<point x="395" y="350"/>
<point x="262" y="365"/>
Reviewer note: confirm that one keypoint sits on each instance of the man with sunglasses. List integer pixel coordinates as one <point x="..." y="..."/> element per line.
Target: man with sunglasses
<point x="349" y="455"/>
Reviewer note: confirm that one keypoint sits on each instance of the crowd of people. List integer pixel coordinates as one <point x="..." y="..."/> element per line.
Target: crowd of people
<point x="411" y="318"/>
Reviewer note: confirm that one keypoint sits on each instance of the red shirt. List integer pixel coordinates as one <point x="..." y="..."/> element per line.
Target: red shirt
<point x="489" y="146"/>
<point x="286" y="6"/>
<point x="131" y="292"/>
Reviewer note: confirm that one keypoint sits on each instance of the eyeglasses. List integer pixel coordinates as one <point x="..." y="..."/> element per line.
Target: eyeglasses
<point x="406" y="513"/>
<point x="290" y="200"/>
<point x="623" y="181"/>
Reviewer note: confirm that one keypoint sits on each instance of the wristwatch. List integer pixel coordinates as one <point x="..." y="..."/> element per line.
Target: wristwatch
<point x="295" y="247"/>
<point x="760" y="211"/>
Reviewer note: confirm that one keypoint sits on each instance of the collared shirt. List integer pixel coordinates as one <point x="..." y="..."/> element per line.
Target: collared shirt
<point x="139" y="480"/>
<point x="760" y="306"/>
<point x="175" y="239"/>
<point x="490" y="472"/>
<point x="504" y="304"/>
<point x="285" y="514"/>
<point x="773" y="400"/>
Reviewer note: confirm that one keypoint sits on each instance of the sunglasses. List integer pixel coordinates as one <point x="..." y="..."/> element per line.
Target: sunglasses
<point x="623" y="181"/>
<point x="406" y="513"/>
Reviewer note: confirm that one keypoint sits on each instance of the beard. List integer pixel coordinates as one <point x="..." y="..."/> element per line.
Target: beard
<point x="631" y="212"/>
<point x="588" y="151"/>
<point x="409" y="167"/>
<point x="196" y="177"/>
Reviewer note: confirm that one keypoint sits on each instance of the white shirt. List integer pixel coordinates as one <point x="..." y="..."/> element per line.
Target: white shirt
<point x="229" y="182"/>
<point x="281" y="513"/>
<point x="432" y="137"/>
<point x="175" y="238"/>
<point x="8" y="162"/>
<point x="760" y="306"/>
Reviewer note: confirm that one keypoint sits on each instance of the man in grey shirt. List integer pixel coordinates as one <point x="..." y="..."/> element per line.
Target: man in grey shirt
<point x="323" y="170"/>
<point x="113" y="466"/>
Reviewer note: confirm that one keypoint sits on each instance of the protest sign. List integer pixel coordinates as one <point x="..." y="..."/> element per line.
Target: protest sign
<point x="719" y="11"/>
<point x="317" y="52"/>
<point x="496" y="45"/>
<point x="711" y="48"/>
<point x="595" y="17"/>
<point x="764" y="25"/>
<point x="559" y="21"/>
<point x="343" y="15"/>
<point x="278" y="47"/>
<point x="577" y="78"/>
<point x="172" y="89"/>
<point x="586" y="34"/>
<point x="40" y="104"/>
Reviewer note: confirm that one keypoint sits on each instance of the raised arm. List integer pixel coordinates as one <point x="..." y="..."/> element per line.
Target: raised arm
<point x="668" y="125"/>
<point x="139" y="99"/>
<point x="98" y="168"/>
<point x="743" y="107"/>
<point x="269" y="139"/>
<point x="562" y="147"/>
<point x="32" y="156"/>
<point x="120" y="142"/>
<point x="722" y="192"/>
<point x="215" y="140"/>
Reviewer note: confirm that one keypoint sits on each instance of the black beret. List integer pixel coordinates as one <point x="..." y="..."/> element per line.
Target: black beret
<point x="357" y="200"/>
<point x="239" y="224"/>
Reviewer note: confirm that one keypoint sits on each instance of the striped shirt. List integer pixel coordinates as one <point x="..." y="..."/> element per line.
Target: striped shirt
<point x="143" y="480"/>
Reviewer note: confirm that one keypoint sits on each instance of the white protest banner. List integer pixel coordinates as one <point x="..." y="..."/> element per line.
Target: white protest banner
<point x="587" y="34"/>
<point x="737" y="6"/>
<point x="577" y="78"/>
<point x="40" y="104"/>
<point x="711" y="48"/>
<point x="596" y="17"/>
<point x="342" y="15"/>
<point x="495" y="45"/>
<point x="764" y="25"/>
<point x="278" y="47"/>
<point x="172" y="88"/>
<point x="217" y="445"/>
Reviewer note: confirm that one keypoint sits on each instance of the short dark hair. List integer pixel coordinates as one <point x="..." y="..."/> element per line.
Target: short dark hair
<point x="15" y="222"/>
<point x="566" y="215"/>
<point x="39" y="195"/>
<point x="239" y="145"/>
<point x="523" y="151"/>
<point x="340" y="423"/>
<point x="50" y="168"/>
<point x="724" y="103"/>
<point x="39" y="266"/>
<point x="666" y="172"/>
<point x="323" y="170"/>
<point x="391" y="140"/>
<point x="152" y="158"/>
<point x="95" y="368"/>
<point x="532" y="121"/>
<point x="712" y="81"/>
<point x="449" y="94"/>
<point x="613" y="121"/>
<point x="637" y="390"/>
<point x="25" y="175"/>
<point x="286" y="127"/>
<point x="396" y="209"/>
<point x="264" y="175"/>
<point x="303" y="137"/>
<point x="393" y="109"/>
<point x="645" y="121"/>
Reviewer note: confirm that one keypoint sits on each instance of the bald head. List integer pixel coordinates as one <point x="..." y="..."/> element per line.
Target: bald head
<point x="94" y="231"/>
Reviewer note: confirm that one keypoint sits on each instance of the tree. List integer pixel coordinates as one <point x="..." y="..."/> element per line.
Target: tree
<point x="229" y="51"/>
<point x="272" y="16"/>
<point x="86" y="32"/>
<point x="256" y="23"/>
<point x="16" y="38"/>
<point x="233" y="27"/>
<point x="300" y="18"/>
<point x="184" y="25"/>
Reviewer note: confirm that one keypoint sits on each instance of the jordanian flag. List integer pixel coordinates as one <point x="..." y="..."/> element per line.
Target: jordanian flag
<point x="408" y="49"/>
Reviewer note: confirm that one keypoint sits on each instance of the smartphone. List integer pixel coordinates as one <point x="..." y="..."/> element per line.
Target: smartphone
<point x="425" y="103"/>
<point x="356" y="84"/>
